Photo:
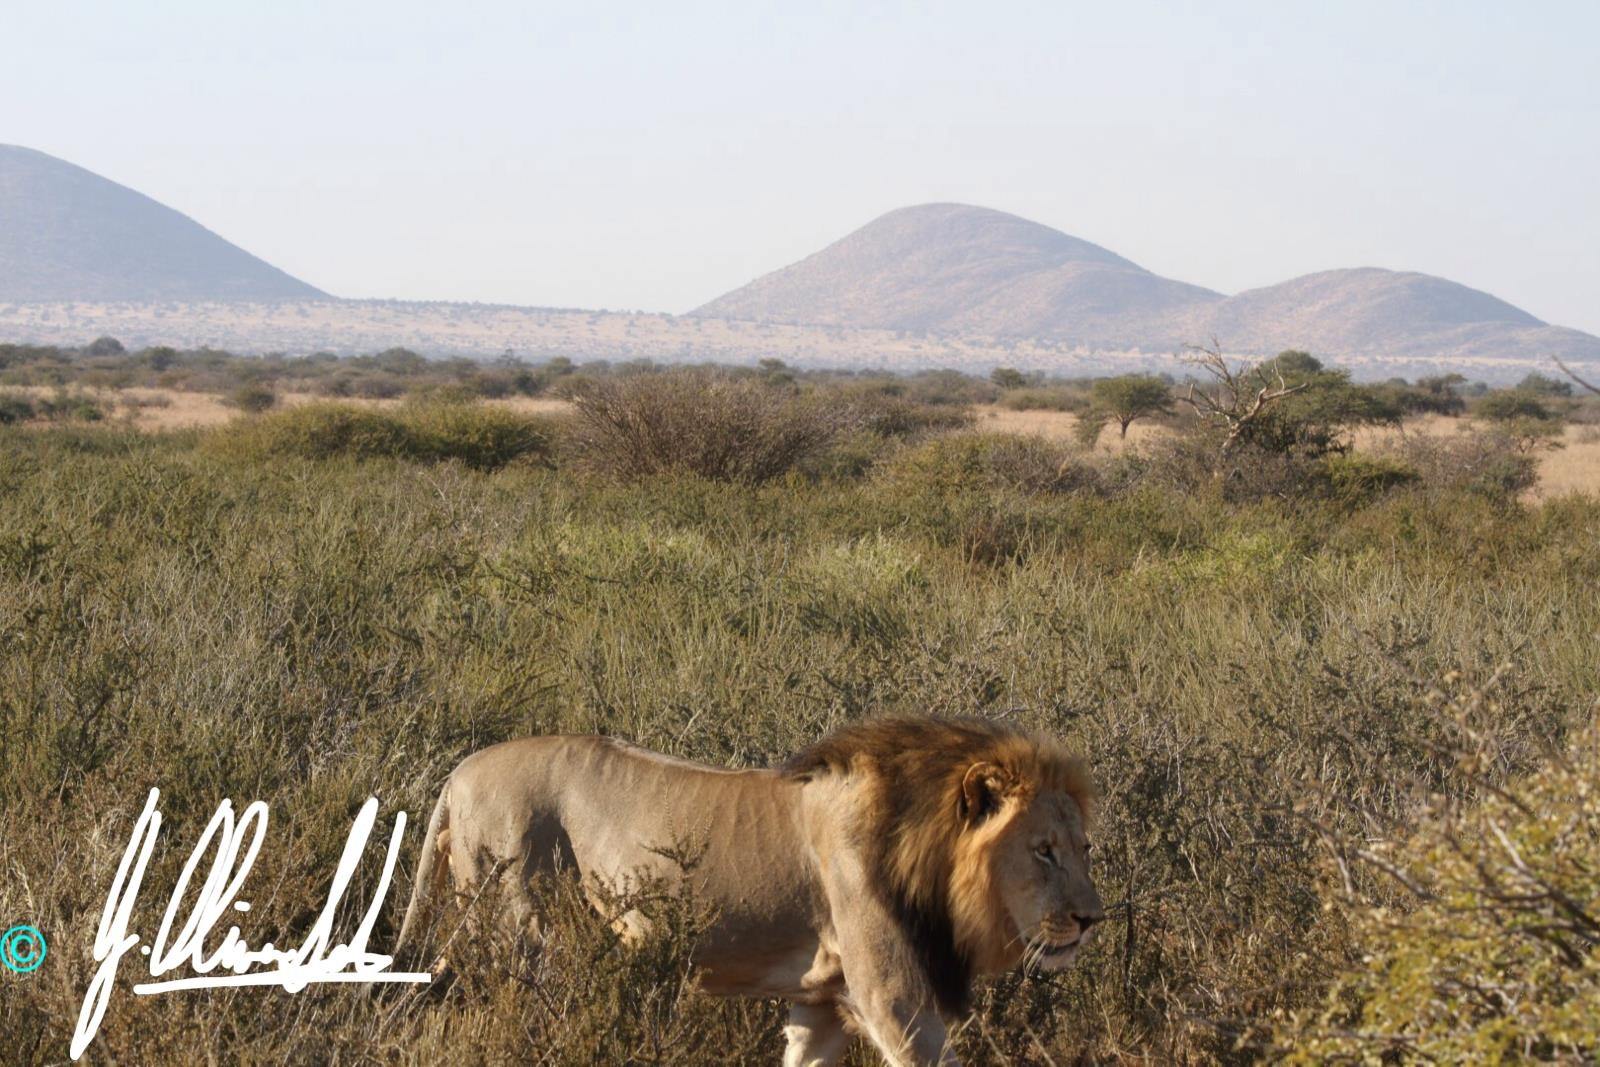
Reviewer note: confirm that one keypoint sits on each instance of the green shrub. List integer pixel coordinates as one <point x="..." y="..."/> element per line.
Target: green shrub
<point x="1193" y="461"/>
<point x="367" y="385"/>
<point x="706" y="423"/>
<point x="15" y="407"/>
<point x="480" y="437"/>
<point x="1045" y="398"/>
<point x="68" y="406"/>
<point x="318" y="431"/>
<point x="1491" y="464"/>
<point x="446" y="393"/>
<point x="969" y="461"/>
<point x="943" y="388"/>
<point x="1543" y="385"/>
<point x="1477" y="941"/>
<point x="1356" y="479"/>
<point x="1507" y="405"/>
<point x="1439" y="395"/>
<point x="477" y="435"/>
<point x="859" y="589"/>
<point x="1008" y="378"/>
<point x="849" y="457"/>
<point x="994" y="534"/>
<point x="899" y="417"/>
<point x="253" y="398"/>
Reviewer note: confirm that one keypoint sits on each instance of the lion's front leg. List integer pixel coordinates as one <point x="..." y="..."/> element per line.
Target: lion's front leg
<point x="889" y="997"/>
<point x="907" y="1032"/>
<point x="816" y="1034"/>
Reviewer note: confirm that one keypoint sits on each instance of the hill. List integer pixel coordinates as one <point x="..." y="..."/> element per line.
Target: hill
<point x="67" y="234"/>
<point x="1374" y="312"/>
<point x="952" y="268"/>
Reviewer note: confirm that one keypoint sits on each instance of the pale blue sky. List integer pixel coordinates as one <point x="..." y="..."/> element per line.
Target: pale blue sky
<point x="654" y="155"/>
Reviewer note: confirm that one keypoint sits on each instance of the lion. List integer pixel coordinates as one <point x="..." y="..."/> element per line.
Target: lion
<point x="866" y="881"/>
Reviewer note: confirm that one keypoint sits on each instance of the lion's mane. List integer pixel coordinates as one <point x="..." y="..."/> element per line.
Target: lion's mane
<point x="931" y="871"/>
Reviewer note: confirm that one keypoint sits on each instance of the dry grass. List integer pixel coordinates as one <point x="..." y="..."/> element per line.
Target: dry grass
<point x="173" y="409"/>
<point x="1059" y="426"/>
<point x="1573" y="469"/>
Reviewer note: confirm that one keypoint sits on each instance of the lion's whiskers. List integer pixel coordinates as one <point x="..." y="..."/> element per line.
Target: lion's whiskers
<point x="1034" y="952"/>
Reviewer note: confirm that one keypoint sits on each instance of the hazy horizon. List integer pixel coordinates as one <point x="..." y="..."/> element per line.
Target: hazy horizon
<point x="655" y="159"/>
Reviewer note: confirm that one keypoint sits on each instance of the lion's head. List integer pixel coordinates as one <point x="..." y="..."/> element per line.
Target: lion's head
<point x="979" y="837"/>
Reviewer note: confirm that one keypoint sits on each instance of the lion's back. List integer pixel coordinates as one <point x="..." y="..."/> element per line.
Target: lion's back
<point x="619" y="810"/>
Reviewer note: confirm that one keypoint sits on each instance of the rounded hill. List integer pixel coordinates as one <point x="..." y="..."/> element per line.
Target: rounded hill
<point x="67" y="234"/>
<point x="955" y="267"/>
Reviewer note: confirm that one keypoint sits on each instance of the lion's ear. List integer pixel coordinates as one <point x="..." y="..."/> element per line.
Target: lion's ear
<point x="982" y="789"/>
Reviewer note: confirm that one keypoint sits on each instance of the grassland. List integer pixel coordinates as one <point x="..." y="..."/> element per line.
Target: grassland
<point x="225" y="612"/>
<point x="1572" y="467"/>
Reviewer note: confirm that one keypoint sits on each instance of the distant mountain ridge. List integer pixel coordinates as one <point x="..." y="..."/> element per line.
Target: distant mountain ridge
<point x="936" y="282"/>
<point x="954" y="268"/>
<point x="67" y="234"/>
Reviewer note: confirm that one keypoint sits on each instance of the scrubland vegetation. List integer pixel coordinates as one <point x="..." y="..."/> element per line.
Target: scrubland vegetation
<point x="1341" y="704"/>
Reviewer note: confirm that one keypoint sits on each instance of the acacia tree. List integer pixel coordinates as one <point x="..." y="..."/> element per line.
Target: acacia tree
<point x="1290" y="405"/>
<point x="1127" y="398"/>
<point x="1512" y="404"/>
<point x="1541" y="385"/>
<point x="1440" y="394"/>
<point x="1008" y="378"/>
<point x="1237" y="396"/>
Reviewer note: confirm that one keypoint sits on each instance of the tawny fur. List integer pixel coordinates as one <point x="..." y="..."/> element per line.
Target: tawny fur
<point x="875" y="873"/>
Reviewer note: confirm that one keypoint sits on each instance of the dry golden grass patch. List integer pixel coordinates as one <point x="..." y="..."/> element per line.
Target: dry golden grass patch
<point x="1058" y="426"/>
<point x="167" y="409"/>
<point x="533" y="405"/>
<point x="1572" y="469"/>
<point x="174" y="409"/>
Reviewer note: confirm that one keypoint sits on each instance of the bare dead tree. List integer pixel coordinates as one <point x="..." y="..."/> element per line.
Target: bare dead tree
<point x="1237" y="395"/>
<point x="1568" y="370"/>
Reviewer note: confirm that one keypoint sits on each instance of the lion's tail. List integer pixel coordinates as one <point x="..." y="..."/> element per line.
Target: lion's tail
<point x="433" y="870"/>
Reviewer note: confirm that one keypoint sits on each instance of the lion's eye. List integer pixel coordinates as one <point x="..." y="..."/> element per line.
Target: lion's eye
<point x="1045" y="854"/>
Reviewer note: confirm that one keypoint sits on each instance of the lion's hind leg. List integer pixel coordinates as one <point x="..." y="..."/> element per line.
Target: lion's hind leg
<point x="816" y="1035"/>
<point x="520" y="906"/>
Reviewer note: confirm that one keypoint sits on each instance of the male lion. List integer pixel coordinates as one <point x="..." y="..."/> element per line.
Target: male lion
<point x="866" y="881"/>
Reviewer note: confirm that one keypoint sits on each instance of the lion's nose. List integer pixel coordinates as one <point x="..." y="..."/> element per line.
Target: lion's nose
<point x="1086" y="921"/>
